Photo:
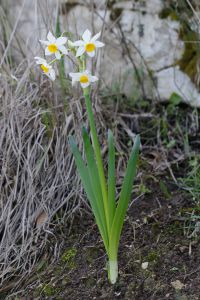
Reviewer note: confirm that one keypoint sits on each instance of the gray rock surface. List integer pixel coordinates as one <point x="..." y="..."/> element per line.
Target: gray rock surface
<point x="135" y="36"/>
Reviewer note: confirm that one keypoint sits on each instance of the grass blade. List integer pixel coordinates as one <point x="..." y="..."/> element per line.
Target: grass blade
<point x="111" y="177"/>
<point x="61" y="65"/>
<point x="123" y="200"/>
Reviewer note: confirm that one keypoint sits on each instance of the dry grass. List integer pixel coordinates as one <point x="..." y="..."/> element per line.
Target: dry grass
<point x="37" y="177"/>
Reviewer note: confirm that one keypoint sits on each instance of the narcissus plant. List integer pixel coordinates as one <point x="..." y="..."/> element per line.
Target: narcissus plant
<point x="99" y="183"/>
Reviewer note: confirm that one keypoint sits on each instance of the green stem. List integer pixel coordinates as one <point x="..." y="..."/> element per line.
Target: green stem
<point x="54" y="60"/>
<point x="97" y="153"/>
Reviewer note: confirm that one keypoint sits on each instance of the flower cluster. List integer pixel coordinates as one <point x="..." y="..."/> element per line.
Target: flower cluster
<point x="57" y="47"/>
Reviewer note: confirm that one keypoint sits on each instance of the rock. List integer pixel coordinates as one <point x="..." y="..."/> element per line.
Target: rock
<point x="149" y="7"/>
<point x="157" y="40"/>
<point x="145" y="265"/>
<point x="177" y="285"/>
<point x="173" y="80"/>
<point x="151" y="46"/>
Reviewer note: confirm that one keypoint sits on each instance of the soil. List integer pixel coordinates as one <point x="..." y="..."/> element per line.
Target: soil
<point x="156" y="259"/>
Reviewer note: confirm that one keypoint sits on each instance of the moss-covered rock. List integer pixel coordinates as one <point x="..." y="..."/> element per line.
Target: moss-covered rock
<point x="191" y="55"/>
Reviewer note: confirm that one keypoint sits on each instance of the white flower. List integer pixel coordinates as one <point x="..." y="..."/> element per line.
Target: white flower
<point x="55" y="45"/>
<point x="88" y="44"/>
<point x="85" y="78"/>
<point x="46" y="68"/>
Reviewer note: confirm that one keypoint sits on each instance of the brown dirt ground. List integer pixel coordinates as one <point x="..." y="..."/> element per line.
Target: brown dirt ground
<point x="153" y="233"/>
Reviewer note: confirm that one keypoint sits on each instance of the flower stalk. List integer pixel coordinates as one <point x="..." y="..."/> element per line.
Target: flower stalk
<point x="113" y="216"/>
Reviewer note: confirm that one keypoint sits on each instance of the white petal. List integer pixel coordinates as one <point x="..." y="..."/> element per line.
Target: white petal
<point x="78" y="43"/>
<point x="95" y="37"/>
<point x="74" y="81"/>
<point x="99" y="44"/>
<point x="52" y="74"/>
<point x="47" y="65"/>
<point x="87" y="72"/>
<point x="93" y="78"/>
<point x="58" y="55"/>
<point x="85" y="85"/>
<point x="61" y="41"/>
<point x="40" y="60"/>
<point x="44" y="42"/>
<point x="75" y="76"/>
<point x="80" y="51"/>
<point x="63" y="49"/>
<point x="91" y="54"/>
<point x="51" y="38"/>
<point x="47" y="52"/>
<point x="86" y="36"/>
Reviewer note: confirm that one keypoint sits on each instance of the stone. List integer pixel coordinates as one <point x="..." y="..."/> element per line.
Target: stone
<point x="145" y="265"/>
<point x="152" y="45"/>
<point x="177" y="284"/>
<point x="172" y="80"/>
<point x="157" y="40"/>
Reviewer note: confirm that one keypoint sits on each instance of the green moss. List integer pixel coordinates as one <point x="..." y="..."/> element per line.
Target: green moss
<point x="152" y="256"/>
<point x="49" y="290"/>
<point x="92" y="254"/>
<point x="68" y="258"/>
<point x="174" y="228"/>
<point x="116" y="13"/>
<point x="189" y="61"/>
<point x="143" y="189"/>
<point x="58" y="269"/>
<point x="111" y="3"/>
<point x="66" y="7"/>
<point x="169" y="12"/>
<point x="166" y="192"/>
<point x="155" y="229"/>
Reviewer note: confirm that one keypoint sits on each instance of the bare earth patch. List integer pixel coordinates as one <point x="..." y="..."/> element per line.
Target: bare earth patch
<point x="157" y="261"/>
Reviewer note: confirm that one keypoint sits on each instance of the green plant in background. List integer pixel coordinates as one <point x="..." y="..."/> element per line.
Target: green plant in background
<point x="190" y="183"/>
<point x="100" y="189"/>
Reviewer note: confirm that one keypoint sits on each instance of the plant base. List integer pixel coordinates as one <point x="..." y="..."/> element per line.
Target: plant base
<point x="113" y="271"/>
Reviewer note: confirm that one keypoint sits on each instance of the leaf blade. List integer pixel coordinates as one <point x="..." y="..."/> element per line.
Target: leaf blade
<point x="123" y="200"/>
<point x="94" y="178"/>
<point x="111" y="177"/>
<point x="84" y="175"/>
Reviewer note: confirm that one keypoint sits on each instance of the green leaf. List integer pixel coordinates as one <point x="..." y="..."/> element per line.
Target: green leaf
<point x="111" y="177"/>
<point x="124" y="199"/>
<point x="94" y="178"/>
<point x="175" y="99"/>
<point x="85" y="178"/>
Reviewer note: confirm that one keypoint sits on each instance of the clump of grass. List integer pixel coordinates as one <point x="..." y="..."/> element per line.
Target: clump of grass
<point x="36" y="176"/>
<point x="190" y="183"/>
